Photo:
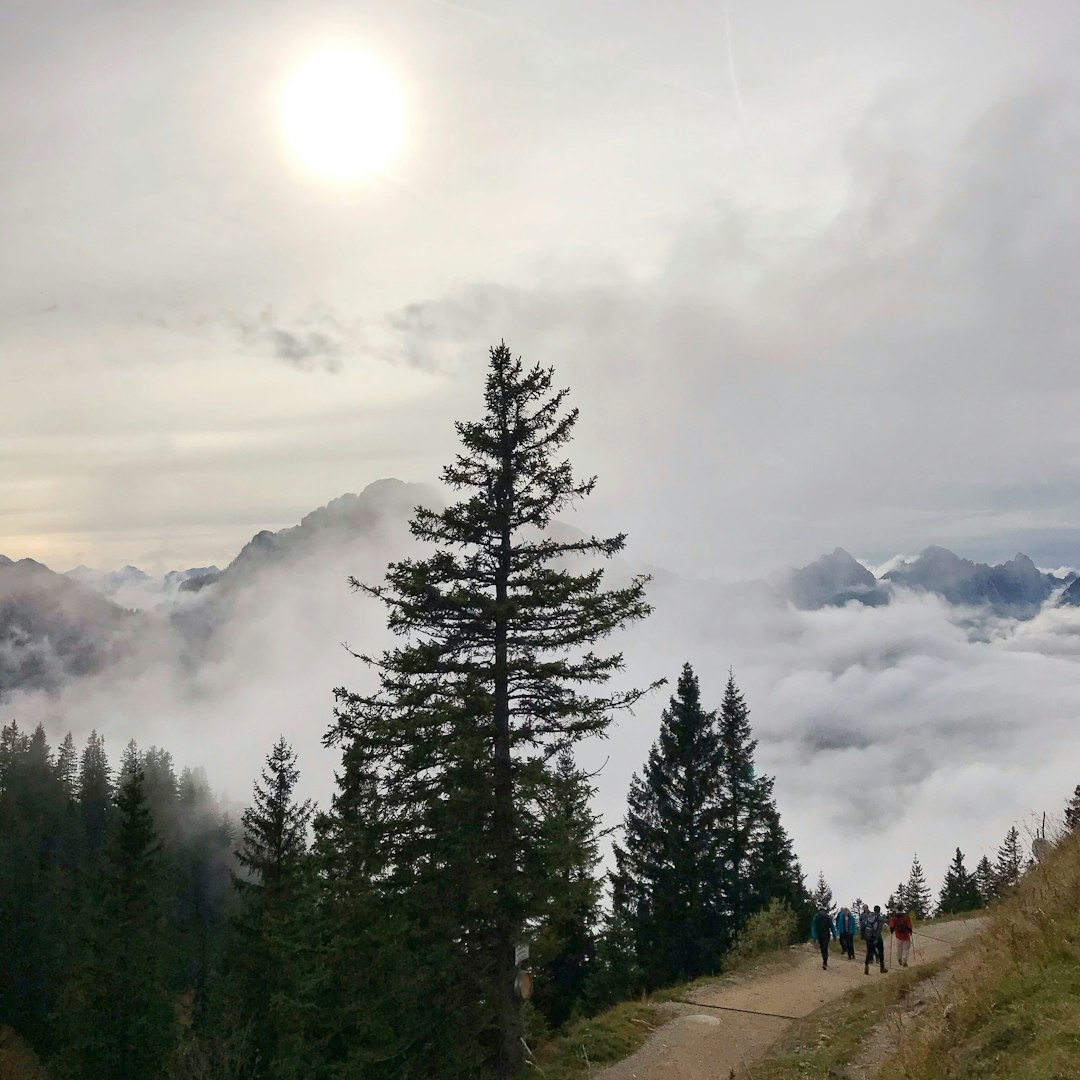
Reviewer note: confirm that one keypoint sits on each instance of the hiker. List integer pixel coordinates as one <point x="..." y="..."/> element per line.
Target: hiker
<point x="900" y="925"/>
<point x="873" y="924"/>
<point x="845" y="931"/>
<point x="821" y="931"/>
<point x="863" y="915"/>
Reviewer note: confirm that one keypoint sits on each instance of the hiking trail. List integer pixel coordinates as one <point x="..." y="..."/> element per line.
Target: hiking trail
<point x="704" y="1041"/>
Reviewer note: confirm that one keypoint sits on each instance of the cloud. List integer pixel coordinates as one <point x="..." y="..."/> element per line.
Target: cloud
<point x="316" y="342"/>
<point x="894" y="374"/>
<point x="912" y="727"/>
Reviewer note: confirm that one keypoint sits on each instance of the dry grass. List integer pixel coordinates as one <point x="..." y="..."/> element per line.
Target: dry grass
<point x="1017" y="1014"/>
<point x="821" y="1044"/>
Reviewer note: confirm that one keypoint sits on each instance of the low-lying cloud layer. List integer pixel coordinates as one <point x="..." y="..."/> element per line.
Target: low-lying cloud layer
<point x="913" y="726"/>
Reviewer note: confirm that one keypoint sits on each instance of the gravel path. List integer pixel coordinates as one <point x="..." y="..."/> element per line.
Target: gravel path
<point x="703" y="1043"/>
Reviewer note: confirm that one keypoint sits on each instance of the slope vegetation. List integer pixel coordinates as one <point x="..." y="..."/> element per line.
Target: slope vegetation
<point x="1016" y="1014"/>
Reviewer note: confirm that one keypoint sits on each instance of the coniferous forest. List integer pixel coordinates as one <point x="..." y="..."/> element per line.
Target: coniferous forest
<point x="148" y="934"/>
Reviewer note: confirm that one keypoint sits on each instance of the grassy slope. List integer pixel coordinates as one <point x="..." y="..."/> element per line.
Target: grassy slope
<point x="1018" y="1016"/>
<point x="820" y="1044"/>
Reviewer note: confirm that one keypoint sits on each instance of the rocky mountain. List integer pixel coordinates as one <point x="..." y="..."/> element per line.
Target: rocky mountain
<point x="834" y="580"/>
<point x="53" y="628"/>
<point x="380" y="510"/>
<point x="134" y="588"/>
<point x="1017" y="587"/>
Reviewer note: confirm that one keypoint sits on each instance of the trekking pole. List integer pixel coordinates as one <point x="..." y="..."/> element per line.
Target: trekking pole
<point x="890" y="948"/>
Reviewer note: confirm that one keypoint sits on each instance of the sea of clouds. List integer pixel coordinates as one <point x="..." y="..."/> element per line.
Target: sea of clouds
<point x="914" y="727"/>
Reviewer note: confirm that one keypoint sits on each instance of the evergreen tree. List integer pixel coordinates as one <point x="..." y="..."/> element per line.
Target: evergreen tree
<point x="671" y="866"/>
<point x="1010" y="863"/>
<point x="34" y="853"/>
<point x="1072" y="810"/>
<point x="774" y="872"/>
<point x="916" y="894"/>
<point x="120" y="1014"/>
<point x="959" y="891"/>
<point x="492" y="680"/>
<point x="564" y="937"/>
<point x="984" y="881"/>
<point x="264" y="972"/>
<point x="822" y="896"/>
<point x="742" y="796"/>
<point x="893" y="902"/>
<point x="95" y="792"/>
<point x="67" y="766"/>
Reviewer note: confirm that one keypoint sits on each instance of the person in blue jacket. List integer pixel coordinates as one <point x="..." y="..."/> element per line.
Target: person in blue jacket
<point x="846" y="925"/>
<point x="821" y="931"/>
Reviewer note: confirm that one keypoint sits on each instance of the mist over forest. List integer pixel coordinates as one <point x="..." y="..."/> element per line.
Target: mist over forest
<point x="889" y="702"/>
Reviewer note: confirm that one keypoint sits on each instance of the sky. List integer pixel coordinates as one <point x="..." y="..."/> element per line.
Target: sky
<point x="810" y="271"/>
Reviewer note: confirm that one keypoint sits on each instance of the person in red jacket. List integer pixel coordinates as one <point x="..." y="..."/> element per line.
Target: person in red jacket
<point x="900" y="925"/>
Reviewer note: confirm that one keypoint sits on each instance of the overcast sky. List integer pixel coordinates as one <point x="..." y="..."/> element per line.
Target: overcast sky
<point x="811" y="270"/>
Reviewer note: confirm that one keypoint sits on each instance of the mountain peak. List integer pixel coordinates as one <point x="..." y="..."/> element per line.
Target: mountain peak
<point x="834" y="579"/>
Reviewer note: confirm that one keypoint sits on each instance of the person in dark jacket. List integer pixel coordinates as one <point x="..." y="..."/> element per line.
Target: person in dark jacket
<point x="873" y="926"/>
<point x="821" y="931"/>
<point x="845" y="931"/>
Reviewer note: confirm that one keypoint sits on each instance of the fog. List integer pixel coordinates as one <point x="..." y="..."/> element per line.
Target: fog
<point x="913" y="727"/>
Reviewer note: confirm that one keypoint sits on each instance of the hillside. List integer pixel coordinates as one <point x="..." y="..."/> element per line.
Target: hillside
<point x="53" y="628"/>
<point x="1016" y="1016"/>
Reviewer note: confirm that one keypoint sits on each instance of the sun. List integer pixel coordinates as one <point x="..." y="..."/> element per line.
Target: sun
<point x="341" y="113"/>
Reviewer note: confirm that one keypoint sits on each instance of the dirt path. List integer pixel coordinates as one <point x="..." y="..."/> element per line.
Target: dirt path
<point x="703" y="1043"/>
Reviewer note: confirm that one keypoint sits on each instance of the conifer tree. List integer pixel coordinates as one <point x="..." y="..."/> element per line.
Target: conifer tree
<point x="1010" y="863"/>
<point x="959" y="891"/>
<point x="743" y="795"/>
<point x="67" y="765"/>
<point x="264" y="971"/>
<point x="95" y="791"/>
<point x="916" y="893"/>
<point x="823" y="895"/>
<point x="1072" y="810"/>
<point x="121" y="1015"/>
<point x="566" y="931"/>
<point x="671" y="864"/>
<point x="774" y="872"/>
<point x="985" y="881"/>
<point x="494" y="676"/>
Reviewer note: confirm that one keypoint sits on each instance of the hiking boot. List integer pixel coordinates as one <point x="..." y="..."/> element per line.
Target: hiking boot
<point x="884" y="970"/>
<point x="866" y="969"/>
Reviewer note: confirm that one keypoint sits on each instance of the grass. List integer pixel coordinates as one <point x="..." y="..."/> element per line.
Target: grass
<point x="597" y="1041"/>
<point x="1017" y="1015"/>
<point x="821" y="1044"/>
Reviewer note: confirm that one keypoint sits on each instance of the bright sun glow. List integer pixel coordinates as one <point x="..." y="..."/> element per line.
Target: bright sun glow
<point x="342" y="114"/>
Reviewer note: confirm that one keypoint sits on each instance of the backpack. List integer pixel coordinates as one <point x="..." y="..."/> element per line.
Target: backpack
<point x="872" y="925"/>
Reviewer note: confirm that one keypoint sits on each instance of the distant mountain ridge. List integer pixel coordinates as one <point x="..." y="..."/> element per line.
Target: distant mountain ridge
<point x="54" y="627"/>
<point x="1017" y="588"/>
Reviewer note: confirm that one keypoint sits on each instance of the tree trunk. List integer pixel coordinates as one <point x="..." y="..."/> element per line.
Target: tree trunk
<point x="508" y="1008"/>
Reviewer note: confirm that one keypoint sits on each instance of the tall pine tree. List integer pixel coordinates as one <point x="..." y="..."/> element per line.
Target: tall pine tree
<point x="671" y="867"/>
<point x="1010" y="863"/>
<point x="823" y="895"/>
<point x="122" y="1019"/>
<point x="959" y="890"/>
<point x="264" y="971"/>
<point x="984" y="881"/>
<point x="495" y="675"/>
<point x="916" y="893"/>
